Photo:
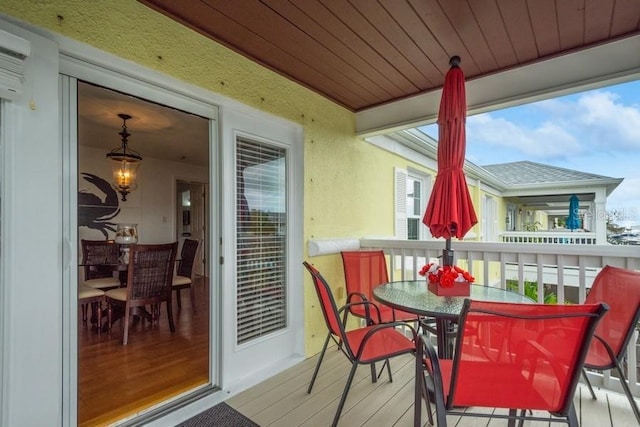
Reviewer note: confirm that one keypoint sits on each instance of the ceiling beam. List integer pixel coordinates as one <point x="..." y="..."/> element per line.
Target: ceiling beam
<point x="603" y="65"/>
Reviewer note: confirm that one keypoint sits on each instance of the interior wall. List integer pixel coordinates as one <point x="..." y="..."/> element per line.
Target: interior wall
<point x="151" y="205"/>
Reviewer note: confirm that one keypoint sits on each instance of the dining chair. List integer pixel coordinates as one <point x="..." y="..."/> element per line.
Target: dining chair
<point x="184" y="273"/>
<point x="362" y="346"/>
<point x="98" y="259"/>
<point x="520" y="357"/>
<point x="149" y="280"/>
<point x="620" y="289"/>
<point x="94" y="297"/>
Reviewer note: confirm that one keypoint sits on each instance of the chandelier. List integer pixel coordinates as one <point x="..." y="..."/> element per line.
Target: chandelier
<point x="124" y="163"/>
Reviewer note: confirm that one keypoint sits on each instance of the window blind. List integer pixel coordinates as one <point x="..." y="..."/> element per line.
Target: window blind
<point x="261" y="239"/>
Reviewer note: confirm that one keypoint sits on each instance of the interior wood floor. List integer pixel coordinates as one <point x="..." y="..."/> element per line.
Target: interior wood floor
<point x="116" y="381"/>
<point x="282" y="400"/>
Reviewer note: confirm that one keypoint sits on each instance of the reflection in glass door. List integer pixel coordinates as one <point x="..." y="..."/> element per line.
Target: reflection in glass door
<point x="261" y="238"/>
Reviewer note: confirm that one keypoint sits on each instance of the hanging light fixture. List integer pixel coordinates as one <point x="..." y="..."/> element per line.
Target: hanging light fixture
<point x="125" y="163"/>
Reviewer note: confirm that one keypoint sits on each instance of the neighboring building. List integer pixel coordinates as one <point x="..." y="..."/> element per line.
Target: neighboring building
<point x="538" y="192"/>
<point x="511" y="199"/>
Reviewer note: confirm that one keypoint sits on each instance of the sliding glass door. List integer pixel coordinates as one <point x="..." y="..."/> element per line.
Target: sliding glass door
<point x="115" y="381"/>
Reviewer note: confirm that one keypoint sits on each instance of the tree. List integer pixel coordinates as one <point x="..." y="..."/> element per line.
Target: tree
<point x="613" y="217"/>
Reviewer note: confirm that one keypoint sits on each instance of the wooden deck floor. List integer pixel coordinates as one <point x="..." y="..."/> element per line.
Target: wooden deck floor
<point x="283" y="400"/>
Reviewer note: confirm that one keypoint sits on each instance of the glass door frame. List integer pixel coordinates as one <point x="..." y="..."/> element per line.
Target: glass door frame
<point x="72" y="70"/>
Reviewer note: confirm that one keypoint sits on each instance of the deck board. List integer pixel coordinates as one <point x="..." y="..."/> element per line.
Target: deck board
<point x="282" y="400"/>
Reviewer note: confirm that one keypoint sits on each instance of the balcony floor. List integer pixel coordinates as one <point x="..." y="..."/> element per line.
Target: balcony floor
<point x="282" y="400"/>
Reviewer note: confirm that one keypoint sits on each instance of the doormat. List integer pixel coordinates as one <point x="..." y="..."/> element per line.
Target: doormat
<point x="220" y="415"/>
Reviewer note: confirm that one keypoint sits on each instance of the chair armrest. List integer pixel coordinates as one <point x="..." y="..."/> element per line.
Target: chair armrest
<point x="606" y="346"/>
<point x="427" y="356"/>
<point x="429" y="353"/>
<point x="381" y="326"/>
<point x="367" y="304"/>
<point x="356" y="294"/>
<point x="367" y="313"/>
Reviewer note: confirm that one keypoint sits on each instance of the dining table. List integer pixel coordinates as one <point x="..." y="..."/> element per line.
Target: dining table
<point x="413" y="296"/>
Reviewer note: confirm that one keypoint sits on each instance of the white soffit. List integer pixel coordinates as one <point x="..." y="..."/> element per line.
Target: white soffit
<point x="603" y="65"/>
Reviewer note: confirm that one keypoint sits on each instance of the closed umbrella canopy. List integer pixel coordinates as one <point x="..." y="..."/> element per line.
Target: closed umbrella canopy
<point x="450" y="210"/>
<point x="573" y="221"/>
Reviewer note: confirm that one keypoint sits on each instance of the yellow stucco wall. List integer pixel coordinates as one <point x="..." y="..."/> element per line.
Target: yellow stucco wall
<point x="348" y="183"/>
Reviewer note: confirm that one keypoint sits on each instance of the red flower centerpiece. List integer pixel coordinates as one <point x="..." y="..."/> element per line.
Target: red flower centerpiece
<point x="448" y="280"/>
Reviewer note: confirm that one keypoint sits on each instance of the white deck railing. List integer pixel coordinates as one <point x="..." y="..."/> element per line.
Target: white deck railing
<point x="549" y="237"/>
<point x="570" y="268"/>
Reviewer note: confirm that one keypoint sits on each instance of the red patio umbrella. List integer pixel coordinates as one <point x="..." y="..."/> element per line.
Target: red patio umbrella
<point x="450" y="210"/>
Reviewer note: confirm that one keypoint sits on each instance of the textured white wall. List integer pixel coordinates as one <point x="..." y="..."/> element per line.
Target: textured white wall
<point x="152" y="204"/>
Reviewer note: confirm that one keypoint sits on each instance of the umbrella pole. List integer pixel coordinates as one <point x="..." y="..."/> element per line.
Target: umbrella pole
<point x="447" y="254"/>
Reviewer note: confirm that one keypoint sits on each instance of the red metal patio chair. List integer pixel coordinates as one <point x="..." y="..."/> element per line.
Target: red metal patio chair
<point x="518" y="357"/>
<point x="364" y="270"/>
<point x="620" y="289"/>
<point x="362" y="346"/>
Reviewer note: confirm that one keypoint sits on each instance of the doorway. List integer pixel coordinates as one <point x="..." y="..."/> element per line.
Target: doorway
<point x="117" y="381"/>
<point x="191" y="212"/>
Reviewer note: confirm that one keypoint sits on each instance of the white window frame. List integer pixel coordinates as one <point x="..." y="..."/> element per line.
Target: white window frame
<point x="402" y="216"/>
<point x="284" y="347"/>
<point x="261" y="281"/>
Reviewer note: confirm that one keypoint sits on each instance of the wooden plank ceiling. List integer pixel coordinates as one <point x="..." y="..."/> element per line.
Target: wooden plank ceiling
<point x="365" y="53"/>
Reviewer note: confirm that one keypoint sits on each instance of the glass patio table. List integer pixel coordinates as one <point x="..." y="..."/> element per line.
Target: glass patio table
<point x="413" y="296"/>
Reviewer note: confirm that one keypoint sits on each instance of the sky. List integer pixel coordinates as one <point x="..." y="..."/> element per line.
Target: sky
<point x="596" y="131"/>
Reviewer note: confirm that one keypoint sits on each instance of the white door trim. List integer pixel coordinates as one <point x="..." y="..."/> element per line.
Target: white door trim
<point x="285" y="347"/>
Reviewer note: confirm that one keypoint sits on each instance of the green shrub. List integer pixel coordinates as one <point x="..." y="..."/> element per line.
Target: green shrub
<point x="531" y="290"/>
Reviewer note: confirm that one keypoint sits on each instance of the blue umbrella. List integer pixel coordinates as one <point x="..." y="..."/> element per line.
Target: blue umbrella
<point x="573" y="221"/>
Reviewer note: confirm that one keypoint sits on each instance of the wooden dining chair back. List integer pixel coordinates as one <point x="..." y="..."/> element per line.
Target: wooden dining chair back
<point x="520" y="357"/>
<point x="98" y="259"/>
<point x="364" y="270"/>
<point x="184" y="272"/>
<point x="620" y="289"/>
<point x="362" y="346"/>
<point x="149" y="280"/>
